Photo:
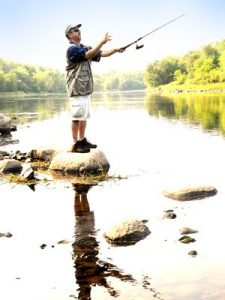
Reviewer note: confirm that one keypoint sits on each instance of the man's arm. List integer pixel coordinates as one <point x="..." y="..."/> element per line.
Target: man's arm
<point x="93" y="51"/>
<point x="107" y="53"/>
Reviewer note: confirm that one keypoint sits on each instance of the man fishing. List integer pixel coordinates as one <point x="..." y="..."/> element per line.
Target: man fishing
<point x="80" y="82"/>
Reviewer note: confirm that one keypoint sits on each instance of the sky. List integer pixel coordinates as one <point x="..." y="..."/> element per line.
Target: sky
<point x="32" y="31"/>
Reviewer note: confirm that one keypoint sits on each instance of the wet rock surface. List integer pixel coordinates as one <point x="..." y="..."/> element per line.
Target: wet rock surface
<point x="192" y="193"/>
<point x="127" y="233"/>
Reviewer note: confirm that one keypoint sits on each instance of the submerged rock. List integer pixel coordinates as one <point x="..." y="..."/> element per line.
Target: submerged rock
<point x="127" y="233"/>
<point x="94" y="162"/>
<point x="191" y="193"/>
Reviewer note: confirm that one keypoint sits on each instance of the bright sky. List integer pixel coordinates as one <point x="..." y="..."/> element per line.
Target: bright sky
<point x="32" y="31"/>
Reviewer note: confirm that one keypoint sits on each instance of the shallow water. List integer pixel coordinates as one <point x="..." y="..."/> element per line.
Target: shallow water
<point x="153" y="153"/>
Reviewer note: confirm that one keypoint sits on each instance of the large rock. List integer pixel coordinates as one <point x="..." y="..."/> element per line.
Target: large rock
<point x="5" y="123"/>
<point x="10" y="166"/>
<point x="94" y="162"/>
<point x="192" y="193"/>
<point x="127" y="233"/>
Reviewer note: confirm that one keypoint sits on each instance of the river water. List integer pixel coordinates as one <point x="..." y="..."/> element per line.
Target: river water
<point x="153" y="143"/>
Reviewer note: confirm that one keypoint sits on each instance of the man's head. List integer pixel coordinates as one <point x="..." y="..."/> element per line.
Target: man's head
<point x="72" y="28"/>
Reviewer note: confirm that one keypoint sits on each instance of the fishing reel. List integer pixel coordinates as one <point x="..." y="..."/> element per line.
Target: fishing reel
<point x="139" y="46"/>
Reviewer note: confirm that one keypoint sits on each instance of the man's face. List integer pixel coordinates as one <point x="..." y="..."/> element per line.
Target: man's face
<point x="75" y="34"/>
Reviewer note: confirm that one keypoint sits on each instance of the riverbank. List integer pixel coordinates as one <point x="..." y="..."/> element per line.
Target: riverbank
<point x="190" y="88"/>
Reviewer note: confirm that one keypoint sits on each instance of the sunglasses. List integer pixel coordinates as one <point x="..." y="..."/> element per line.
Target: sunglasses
<point x="76" y="30"/>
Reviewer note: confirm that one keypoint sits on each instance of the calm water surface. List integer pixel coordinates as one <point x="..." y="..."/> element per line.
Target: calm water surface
<point x="155" y="143"/>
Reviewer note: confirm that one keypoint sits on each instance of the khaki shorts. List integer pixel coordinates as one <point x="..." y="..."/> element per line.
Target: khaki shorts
<point x="80" y="107"/>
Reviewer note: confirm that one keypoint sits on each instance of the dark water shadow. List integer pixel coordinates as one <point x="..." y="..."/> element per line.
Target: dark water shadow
<point x="90" y="270"/>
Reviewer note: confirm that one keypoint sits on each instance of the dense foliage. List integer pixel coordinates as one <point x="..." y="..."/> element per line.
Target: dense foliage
<point x="116" y="81"/>
<point x="16" y="77"/>
<point x="197" y="67"/>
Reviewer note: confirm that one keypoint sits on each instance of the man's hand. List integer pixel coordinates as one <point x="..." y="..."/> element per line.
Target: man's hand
<point x="121" y="50"/>
<point x="106" y="38"/>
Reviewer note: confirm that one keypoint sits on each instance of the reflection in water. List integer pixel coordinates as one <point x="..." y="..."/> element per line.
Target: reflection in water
<point x="29" y="108"/>
<point x="206" y="110"/>
<point x="89" y="269"/>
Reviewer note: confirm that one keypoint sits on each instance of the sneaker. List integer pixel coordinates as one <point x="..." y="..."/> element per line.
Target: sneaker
<point x="79" y="148"/>
<point x="87" y="144"/>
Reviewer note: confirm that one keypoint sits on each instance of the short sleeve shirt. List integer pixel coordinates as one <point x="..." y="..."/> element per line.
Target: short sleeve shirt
<point x="76" y="54"/>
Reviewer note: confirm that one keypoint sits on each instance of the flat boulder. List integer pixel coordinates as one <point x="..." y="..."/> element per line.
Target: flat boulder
<point x="192" y="193"/>
<point x="127" y="233"/>
<point x="8" y="166"/>
<point x="94" y="162"/>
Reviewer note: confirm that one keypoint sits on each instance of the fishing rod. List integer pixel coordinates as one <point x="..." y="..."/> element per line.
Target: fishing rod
<point x="140" y="38"/>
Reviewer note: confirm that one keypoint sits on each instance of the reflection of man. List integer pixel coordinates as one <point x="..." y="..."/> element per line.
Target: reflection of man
<point x="89" y="270"/>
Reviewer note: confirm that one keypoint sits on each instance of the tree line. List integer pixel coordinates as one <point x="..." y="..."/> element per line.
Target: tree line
<point x="200" y="67"/>
<point x="15" y="77"/>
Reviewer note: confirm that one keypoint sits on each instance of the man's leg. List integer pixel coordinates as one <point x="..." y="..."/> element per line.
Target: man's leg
<point x="82" y="127"/>
<point x="78" y="130"/>
<point x="75" y="129"/>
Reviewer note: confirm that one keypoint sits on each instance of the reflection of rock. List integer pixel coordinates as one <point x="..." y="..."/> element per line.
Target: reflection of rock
<point x="192" y="193"/>
<point x="127" y="233"/>
<point x="10" y="166"/>
<point x="186" y="239"/>
<point x="94" y="162"/>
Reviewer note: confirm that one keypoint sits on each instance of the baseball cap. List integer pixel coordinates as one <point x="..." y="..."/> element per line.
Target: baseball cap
<point x="68" y="28"/>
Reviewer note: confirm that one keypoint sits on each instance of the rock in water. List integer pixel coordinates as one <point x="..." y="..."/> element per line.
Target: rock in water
<point x="127" y="233"/>
<point x="10" y="166"/>
<point x="5" y="123"/>
<point x="27" y="172"/>
<point x="94" y="162"/>
<point x="192" y="193"/>
<point x="187" y="230"/>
